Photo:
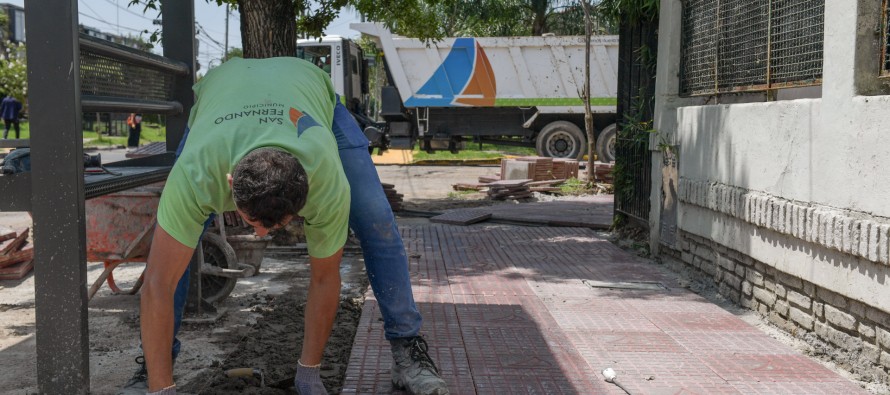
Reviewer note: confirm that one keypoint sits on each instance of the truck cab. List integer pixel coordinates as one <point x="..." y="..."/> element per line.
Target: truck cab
<point x="344" y="62"/>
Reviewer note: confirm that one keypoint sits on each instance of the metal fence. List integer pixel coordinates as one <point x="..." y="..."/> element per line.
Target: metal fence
<point x="885" y="47"/>
<point x="636" y="99"/>
<point x="750" y="45"/>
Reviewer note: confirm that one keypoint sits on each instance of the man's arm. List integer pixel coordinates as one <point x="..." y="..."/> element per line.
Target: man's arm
<point x="321" y="308"/>
<point x="166" y="263"/>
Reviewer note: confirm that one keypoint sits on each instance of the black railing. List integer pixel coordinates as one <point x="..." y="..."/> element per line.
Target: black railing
<point x="636" y="91"/>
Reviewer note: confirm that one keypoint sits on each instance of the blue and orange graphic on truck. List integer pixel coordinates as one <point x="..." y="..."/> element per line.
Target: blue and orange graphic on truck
<point x="465" y="78"/>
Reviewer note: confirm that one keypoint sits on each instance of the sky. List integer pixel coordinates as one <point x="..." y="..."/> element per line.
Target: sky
<point x="114" y="16"/>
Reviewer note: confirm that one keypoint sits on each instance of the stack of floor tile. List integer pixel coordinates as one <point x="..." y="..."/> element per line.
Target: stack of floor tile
<point x="394" y="198"/>
<point x="538" y="168"/>
<point x="16" y="255"/>
<point x="565" y="168"/>
<point x="509" y="189"/>
<point x="543" y="168"/>
<point x="603" y="172"/>
<point x="512" y="169"/>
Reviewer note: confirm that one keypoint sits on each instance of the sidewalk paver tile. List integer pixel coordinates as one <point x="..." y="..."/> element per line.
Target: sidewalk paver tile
<point x="506" y="311"/>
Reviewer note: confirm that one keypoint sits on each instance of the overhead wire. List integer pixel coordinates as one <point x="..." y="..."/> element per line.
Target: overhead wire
<point x="109" y="23"/>
<point x="126" y="9"/>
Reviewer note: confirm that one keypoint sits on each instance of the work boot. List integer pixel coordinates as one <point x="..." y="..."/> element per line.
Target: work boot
<point x="413" y="369"/>
<point x="138" y="384"/>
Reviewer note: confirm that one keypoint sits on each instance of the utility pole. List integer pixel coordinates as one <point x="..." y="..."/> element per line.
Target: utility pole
<point x="226" y="53"/>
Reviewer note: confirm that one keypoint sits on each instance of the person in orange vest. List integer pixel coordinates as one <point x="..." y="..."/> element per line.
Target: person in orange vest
<point x="134" y="121"/>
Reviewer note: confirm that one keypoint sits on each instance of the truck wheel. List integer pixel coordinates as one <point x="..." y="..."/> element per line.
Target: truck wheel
<point x="605" y="143"/>
<point x="217" y="252"/>
<point x="561" y="139"/>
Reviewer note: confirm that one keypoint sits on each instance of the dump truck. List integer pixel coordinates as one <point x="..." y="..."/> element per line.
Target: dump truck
<point x="523" y="91"/>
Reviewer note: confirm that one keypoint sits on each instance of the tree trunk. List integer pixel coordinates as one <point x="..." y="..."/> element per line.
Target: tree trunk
<point x="539" y="25"/>
<point x="588" y="116"/>
<point x="268" y="28"/>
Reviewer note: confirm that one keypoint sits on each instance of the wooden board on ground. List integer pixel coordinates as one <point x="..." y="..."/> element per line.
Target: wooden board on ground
<point x="18" y="256"/>
<point x="461" y="217"/>
<point x="16" y="243"/>
<point x="468" y="187"/>
<point x="7" y="236"/>
<point x="508" y="183"/>
<point x="16" y="272"/>
<point x="545" y="183"/>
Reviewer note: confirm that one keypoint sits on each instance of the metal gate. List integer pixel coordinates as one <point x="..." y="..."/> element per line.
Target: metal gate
<point x="638" y="45"/>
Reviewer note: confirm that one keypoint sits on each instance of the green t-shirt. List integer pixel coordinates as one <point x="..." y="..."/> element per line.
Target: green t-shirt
<point x="245" y="104"/>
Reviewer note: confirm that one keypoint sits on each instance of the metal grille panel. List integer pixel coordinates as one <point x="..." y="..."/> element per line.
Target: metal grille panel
<point x="750" y="45"/>
<point x="699" y="54"/>
<point x="105" y="76"/>
<point x="742" y="54"/>
<point x="797" y="35"/>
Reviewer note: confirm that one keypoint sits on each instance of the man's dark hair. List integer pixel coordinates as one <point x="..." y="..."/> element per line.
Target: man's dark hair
<point x="269" y="184"/>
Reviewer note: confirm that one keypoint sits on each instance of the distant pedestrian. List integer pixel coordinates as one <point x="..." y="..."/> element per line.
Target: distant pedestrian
<point x="9" y="110"/>
<point x="134" y="121"/>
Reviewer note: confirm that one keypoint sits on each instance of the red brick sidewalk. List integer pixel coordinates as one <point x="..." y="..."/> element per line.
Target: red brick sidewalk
<point x="508" y="311"/>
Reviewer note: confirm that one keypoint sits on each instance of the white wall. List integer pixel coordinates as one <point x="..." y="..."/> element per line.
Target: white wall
<point x="828" y="153"/>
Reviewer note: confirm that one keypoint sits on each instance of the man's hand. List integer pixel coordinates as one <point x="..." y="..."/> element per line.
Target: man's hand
<point x="166" y="264"/>
<point x="308" y="381"/>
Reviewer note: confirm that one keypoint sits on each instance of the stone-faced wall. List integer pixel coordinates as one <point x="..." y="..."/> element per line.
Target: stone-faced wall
<point x="859" y="334"/>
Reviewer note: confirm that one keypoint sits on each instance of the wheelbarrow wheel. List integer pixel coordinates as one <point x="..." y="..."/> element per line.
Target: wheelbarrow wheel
<point x="219" y="253"/>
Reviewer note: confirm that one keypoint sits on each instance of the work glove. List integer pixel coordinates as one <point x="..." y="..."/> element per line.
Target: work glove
<point x="308" y="381"/>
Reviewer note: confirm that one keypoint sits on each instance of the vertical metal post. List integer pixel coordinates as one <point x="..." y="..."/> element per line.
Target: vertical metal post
<point x="57" y="194"/>
<point x="179" y="44"/>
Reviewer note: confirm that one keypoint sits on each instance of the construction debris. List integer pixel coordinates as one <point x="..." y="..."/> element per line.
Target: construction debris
<point x="521" y="176"/>
<point x="538" y="168"/>
<point x="16" y="255"/>
<point x="394" y="198"/>
<point x="603" y="172"/>
<point x="509" y="189"/>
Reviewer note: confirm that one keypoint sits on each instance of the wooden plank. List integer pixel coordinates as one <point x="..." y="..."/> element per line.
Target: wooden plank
<point x="545" y="189"/>
<point x="16" y="243"/>
<point x="468" y="187"/>
<point x="16" y="272"/>
<point x="508" y="183"/>
<point x="17" y="256"/>
<point x="7" y="236"/>
<point x="546" y="182"/>
<point x="485" y="180"/>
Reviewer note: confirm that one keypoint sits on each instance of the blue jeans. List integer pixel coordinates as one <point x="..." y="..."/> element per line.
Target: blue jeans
<point x="371" y="218"/>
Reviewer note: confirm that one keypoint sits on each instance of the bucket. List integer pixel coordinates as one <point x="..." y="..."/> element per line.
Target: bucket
<point x="249" y="249"/>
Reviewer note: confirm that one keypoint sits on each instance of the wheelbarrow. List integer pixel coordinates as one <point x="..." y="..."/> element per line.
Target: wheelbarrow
<point x="120" y="227"/>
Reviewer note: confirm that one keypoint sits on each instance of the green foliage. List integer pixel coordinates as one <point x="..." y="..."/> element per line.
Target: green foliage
<point x="13" y="71"/>
<point x="407" y="17"/>
<point x="460" y="195"/>
<point x="628" y="10"/>
<point x="575" y="187"/>
<point x="235" y="53"/>
<point x="482" y="18"/>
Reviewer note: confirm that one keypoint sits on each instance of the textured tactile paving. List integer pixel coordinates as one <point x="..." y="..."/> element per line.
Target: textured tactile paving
<point x="506" y="312"/>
